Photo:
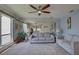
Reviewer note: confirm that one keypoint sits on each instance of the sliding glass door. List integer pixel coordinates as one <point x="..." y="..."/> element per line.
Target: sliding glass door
<point x="5" y="29"/>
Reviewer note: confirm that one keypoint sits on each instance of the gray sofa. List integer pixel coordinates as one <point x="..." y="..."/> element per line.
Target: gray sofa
<point x="70" y="43"/>
<point x="41" y="37"/>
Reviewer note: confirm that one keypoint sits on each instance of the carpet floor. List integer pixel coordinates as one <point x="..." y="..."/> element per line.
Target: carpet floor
<point x="25" y="48"/>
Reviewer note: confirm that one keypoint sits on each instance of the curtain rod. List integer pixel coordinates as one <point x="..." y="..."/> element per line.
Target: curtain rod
<point x="10" y="16"/>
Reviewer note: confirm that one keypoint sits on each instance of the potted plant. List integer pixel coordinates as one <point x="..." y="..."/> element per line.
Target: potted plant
<point x="21" y="37"/>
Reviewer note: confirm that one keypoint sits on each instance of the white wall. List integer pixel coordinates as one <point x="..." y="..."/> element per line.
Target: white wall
<point x="47" y="28"/>
<point x="74" y="24"/>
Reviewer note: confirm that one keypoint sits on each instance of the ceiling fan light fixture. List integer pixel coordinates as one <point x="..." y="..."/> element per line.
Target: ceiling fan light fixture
<point x="39" y="11"/>
<point x="39" y="14"/>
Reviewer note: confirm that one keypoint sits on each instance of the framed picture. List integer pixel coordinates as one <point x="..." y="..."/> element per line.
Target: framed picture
<point x="69" y="23"/>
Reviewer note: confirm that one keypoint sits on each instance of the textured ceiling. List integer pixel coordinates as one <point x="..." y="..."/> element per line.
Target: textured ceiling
<point x="57" y="11"/>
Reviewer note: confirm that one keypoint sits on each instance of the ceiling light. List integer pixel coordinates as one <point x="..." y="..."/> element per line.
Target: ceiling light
<point x="39" y="11"/>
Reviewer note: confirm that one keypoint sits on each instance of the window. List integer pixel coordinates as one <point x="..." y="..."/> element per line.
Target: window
<point x="5" y="25"/>
<point x="5" y="29"/>
<point x="25" y="28"/>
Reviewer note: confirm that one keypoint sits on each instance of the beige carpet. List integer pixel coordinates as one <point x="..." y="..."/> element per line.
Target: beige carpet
<point x="25" y="48"/>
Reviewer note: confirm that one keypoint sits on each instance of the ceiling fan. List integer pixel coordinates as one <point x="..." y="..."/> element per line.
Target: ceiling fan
<point x="40" y="9"/>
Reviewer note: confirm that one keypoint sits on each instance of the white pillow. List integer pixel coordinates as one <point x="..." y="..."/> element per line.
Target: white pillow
<point x="52" y="36"/>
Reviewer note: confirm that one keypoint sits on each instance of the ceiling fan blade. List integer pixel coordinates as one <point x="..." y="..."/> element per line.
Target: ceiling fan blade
<point x="33" y="7"/>
<point x="46" y="6"/>
<point x="46" y="12"/>
<point x="33" y="12"/>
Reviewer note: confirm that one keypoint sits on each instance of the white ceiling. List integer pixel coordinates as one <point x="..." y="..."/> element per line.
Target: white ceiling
<point x="57" y="11"/>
